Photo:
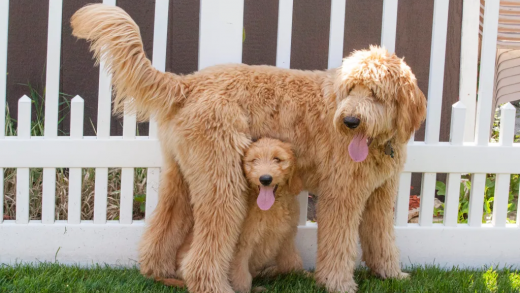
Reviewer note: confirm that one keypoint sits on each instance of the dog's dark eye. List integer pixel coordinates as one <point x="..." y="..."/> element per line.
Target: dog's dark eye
<point x="277" y="160"/>
<point x="373" y="93"/>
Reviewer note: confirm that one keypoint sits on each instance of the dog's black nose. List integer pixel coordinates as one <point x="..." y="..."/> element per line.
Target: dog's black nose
<point x="351" y="122"/>
<point x="266" y="180"/>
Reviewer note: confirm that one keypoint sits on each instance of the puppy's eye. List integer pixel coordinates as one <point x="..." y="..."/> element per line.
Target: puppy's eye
<point x="277" y="160"/>
<point x="373" y="93"/>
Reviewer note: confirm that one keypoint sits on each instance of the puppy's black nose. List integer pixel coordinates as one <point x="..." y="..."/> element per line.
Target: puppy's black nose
<point x="351" y="122"/>
<point x="266" y="180"/>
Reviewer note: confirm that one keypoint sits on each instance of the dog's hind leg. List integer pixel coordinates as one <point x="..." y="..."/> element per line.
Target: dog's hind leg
<point x="212" y="167"/>
<point x="168" y="226"/>
<point x="380" y="252"/>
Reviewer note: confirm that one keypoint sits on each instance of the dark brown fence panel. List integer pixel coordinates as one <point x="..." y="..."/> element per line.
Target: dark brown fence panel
<point x="362" y="24"/>
<point x="26" y="50"/>
<point x="310" y="34"/>
<point x="261" y="30"/>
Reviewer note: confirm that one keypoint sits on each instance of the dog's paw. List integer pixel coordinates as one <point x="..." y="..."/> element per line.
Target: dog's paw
<point x="402" y="276"/>
<point x="345" y="287"/>
<point x="258" y="289"/>
<point x="398" y="274"/>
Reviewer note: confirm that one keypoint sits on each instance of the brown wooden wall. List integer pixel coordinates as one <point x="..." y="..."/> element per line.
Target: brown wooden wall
<point x="28" y="37"/>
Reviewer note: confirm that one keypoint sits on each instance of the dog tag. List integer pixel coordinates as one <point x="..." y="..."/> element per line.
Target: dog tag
<point x="389" y="150"/>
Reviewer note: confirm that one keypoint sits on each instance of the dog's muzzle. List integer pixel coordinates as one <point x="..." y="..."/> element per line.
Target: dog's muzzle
<point x="351" y="122"/>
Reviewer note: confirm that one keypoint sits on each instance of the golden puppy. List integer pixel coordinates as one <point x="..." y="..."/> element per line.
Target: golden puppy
<point x="266" y="243"/>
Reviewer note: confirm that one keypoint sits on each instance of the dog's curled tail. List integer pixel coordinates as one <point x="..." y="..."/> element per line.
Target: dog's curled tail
<point x="116" y="40"/>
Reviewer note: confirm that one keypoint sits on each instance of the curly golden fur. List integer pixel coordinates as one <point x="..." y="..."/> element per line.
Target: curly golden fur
<point x="208" y="119"/>
<point x="266" y="243"/>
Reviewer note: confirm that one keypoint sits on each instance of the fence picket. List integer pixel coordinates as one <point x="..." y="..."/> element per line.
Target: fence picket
<point x="427" y="199"/>
<point x="436" y="79"/>
<point x="507" y="131"/>
<point x="160" y="36"/>
<point x="487" y="72"/>
<point x="389" y="24"/>
<point x="303" y="199"/>
<point x="75" y="178"/>
<point x="476" y="199"/>
<point x="403" y="199"/>
<point x="103" y="131"/>
<point x="337" y="29"/>
<point x="4" y="24"/>
<point x="51" y="104"/>
<point x="22" y="174"/>
<point x="127" y="174"/>
<point x="469" y="64"/>
<point x="221" y="32"/>
<point x="451" y="207"/>
<point x="284" y="36"/>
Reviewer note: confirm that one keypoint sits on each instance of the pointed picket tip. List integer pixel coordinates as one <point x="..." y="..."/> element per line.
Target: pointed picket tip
<point x="24" y="99"/>
<point x="508" y="106"/>
<point x="77" y="99"/>
<point x="459" y="105"/>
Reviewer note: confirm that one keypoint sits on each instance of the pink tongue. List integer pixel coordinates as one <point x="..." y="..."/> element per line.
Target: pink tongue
<point x="265" y="199"/>
<point x="358" y="148"/>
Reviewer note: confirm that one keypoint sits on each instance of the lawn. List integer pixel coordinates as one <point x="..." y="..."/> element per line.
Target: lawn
<point x="48" y="277"/>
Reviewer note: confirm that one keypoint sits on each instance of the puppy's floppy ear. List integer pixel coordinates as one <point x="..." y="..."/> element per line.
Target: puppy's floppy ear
<point x="411" y="105"/>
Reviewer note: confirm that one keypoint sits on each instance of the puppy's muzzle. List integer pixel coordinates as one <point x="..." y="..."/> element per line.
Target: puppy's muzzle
<point x="351" y="122"/>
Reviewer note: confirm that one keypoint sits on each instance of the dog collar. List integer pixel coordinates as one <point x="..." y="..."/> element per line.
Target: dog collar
<point x="389" y="150"/>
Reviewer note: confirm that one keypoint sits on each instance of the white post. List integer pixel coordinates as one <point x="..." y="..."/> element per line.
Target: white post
<point x="127" y="174"/>
<point x="337" y="29"/>
<point x="427" y="199"/>
<point x="476" y="199"/>
<point x="389" y="28"/>
<point x="103" y="131"/>
<point x="4" y="24"/>
<point x="303" y="199"/>
<point x="487" y="72"/>
<point x="284" y="37"/>
<point x="451" y="205"/>
<point x="436" y="80"/>
<point x="403" y="199"/>
<point x="22" y="174"/>
<point x="160" y="35"/>
<point x="51" y="104"/>
<point x="221" y="32"/>
<point x="469" y="64"/>
<point x="507" y="132"/>
<point x="75" y="178"/>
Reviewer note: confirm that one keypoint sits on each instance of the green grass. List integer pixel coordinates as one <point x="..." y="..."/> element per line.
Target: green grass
<point x="48" y="277"/>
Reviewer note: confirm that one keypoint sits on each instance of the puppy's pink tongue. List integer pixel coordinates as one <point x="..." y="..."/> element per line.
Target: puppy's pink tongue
<point x="358" y="148"/>
<point x="265" y="199"/>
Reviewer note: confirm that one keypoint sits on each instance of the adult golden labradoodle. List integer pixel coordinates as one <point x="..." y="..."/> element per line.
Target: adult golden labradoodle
<point x="349" y="128"/>
<point x="266" y="243"/>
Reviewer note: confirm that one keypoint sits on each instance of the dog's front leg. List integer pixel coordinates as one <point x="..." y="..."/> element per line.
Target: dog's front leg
<point x="380" y="252"/>
<point x="339" y="215"/>
<point x="239" y="274"/>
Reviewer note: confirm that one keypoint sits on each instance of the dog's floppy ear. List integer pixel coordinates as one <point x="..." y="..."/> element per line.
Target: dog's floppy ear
<point x="295" y="184"/>
<point x="411" y="106"/>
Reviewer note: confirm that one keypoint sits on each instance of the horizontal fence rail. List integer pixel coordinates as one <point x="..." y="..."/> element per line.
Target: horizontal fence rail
<point x="102" y="240"/>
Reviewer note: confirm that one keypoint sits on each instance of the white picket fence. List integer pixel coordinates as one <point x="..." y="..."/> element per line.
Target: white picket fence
<point x="221" y="22"/>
